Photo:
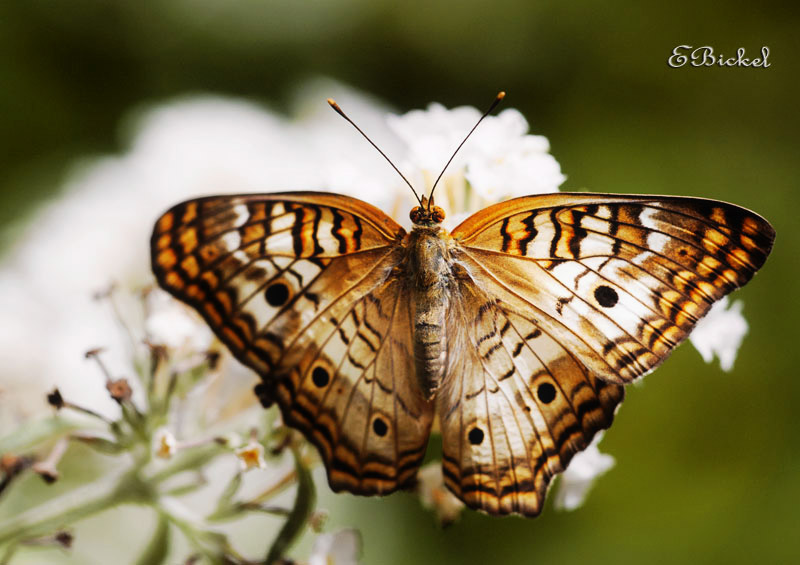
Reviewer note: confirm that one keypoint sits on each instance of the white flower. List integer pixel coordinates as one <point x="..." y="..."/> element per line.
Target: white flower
<point x="435" y="495"/>
<point x="341" y="548"/>
<point x="251" y="456"/>
<point x="97" y="233"/>
<point x="432" y="135"/>
<point x="575" y="483"/>
<point x="164" y="443"/>
<point x="527" y="168"/>
<point x="720" y="333"/>
<point x="499" y="161"/>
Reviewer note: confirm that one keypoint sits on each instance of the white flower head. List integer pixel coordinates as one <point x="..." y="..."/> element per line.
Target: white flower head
<point x="164" y="443"/>
<point x="575" y="483"/>
<point x="432" y="135"/>
<point x="435" y="495"/>
<point x="96" y="232"/>
<point x="251" y="456"/>
<point x="499" y="161"/>
<point x="720" y="333"/>
<point x="341" y="548"/>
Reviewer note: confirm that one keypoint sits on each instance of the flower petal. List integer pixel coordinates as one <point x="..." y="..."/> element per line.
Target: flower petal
<point x="577" y="480"/>
<point x="720" y="333"/>
<point x="341" y="548"/>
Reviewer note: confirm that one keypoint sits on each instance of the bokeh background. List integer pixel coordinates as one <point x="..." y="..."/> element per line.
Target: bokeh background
<point x="708" y="463"/>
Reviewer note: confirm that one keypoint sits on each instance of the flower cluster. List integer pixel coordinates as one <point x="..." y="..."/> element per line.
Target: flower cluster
<point x="166" y="446"/>
<point x="500" y="161"/>
<point x="176" y="410"/>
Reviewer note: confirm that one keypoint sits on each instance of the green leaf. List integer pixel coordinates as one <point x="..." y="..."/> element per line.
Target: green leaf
<point x="195" y="481"/>
<point x="225" y="508"/>
<point x="6" y="556"/>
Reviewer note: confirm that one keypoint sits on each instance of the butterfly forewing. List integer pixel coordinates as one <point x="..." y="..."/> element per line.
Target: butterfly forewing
<point x="620" y="280"/>
<point x="298" y="286"/>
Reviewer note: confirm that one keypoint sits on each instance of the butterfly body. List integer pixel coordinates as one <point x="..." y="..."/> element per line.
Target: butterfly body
<point x="518" y="329"/>
<point x="429" y="272"/>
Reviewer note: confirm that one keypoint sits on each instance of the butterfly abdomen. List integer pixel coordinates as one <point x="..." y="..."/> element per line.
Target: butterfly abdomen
<point x="430" y="271"/>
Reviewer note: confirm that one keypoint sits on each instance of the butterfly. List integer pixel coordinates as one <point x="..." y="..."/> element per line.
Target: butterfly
<point x="518" y="329"/>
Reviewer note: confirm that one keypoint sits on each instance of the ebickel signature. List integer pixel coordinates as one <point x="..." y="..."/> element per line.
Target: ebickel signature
<point x="706" y="57"/>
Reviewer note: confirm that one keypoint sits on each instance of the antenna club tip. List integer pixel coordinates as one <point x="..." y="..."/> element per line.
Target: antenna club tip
<point x="501" y="94"/>
<point x="332" y="102"/>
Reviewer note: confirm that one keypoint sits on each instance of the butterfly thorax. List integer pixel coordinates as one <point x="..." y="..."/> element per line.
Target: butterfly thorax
<point x="431" y="272"/>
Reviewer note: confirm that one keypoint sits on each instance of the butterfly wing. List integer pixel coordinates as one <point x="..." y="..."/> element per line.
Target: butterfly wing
<point x="621" y="279"/>
<point x="515" y="406"/>
<point x="298" y="286"/>
<point x="561" y="298"/>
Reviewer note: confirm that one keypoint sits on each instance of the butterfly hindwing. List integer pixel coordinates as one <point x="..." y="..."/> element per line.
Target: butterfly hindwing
<point x="620" y="280"/>
<point x="298" y="286"/>
<point x="515" y="407"/>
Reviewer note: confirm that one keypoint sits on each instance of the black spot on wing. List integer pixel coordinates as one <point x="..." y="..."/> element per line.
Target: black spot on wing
<point x="606" y="296"/>
<point x="475" y="436"/>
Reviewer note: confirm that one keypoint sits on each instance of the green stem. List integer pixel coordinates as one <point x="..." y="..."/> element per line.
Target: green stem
<point x="212" y="545"/>
<point x="188" y="460"/>
<point x="71" y="507"/>
<point x="5" y="558"/>
<point x="304" y="502"/>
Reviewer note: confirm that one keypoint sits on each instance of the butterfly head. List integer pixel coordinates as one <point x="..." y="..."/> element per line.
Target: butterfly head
<point x="426" y="214"/>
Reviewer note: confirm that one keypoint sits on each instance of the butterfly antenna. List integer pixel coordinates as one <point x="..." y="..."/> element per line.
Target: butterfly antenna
<point x="339" y="111"/>
<point x="497" y="99"/>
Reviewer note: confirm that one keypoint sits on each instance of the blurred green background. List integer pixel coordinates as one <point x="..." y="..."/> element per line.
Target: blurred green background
<point x="708" y="463"/>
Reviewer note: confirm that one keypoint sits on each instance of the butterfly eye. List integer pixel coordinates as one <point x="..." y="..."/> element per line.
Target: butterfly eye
<point x="415" y="214"/>
<point x="546" y="393"/>
<point x="277" y="294"/>
<point x="380" y="427"/>
<point x="475" y="436"/>
<point x="437" y="214"/>
<point x="606" y="296"/>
